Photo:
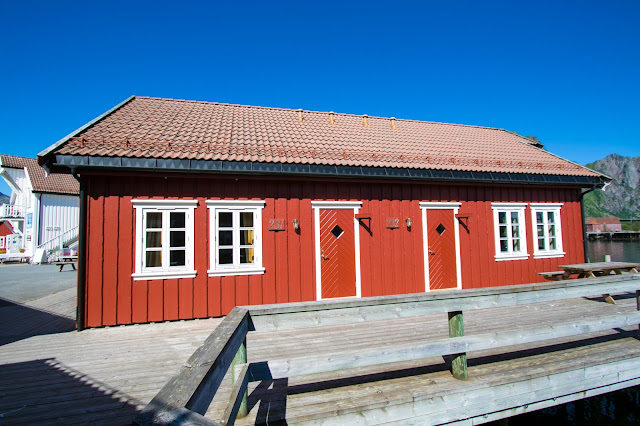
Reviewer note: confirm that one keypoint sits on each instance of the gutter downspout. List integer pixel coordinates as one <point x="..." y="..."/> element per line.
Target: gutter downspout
<point x="584" y="224"/>
<point x="82" y="259"/>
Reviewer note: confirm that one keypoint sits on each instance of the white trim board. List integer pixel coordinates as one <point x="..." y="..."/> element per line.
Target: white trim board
<point x="424" y="206"/>
<point x="317" y="205"/>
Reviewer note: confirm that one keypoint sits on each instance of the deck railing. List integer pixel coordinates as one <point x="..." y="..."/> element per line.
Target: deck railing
<point x="11" y="211"/>
<point x="187" y="396"/>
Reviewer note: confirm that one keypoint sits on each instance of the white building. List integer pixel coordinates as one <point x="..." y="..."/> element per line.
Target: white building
<point x="43" y="211"/>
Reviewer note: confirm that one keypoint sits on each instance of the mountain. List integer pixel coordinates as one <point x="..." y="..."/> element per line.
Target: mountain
<point x="4" y="199"/>
<point x="621" y="197"/>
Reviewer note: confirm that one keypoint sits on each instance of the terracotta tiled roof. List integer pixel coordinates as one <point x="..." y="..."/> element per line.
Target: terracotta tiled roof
<point x="167" y="128"/>
<point x="55" y="183"/>
<point x="601" y="220"/>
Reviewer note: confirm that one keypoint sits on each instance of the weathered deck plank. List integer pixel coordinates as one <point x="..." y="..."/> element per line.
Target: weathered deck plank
<point x="105" y="376"/>
<point x="100" y="376"/>
<point x="420" y="389"/>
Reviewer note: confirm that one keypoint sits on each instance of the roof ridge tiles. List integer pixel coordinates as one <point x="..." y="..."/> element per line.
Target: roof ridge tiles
<point x="344" y="114"/>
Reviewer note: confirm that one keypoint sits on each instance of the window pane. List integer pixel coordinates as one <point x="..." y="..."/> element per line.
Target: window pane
<point x="504" y="246"/>
<point x="246" y="255"/>
<point x="177" y="258"/>
<point x="177" y="239"/>
<point x="514" y="217"/>
<point x="552" y="230"/>
<point x="246" y="219"/>
<point x="177" y="219"/>
<point x="540" y="243"/>
<point x="154" y="220"/>
<point x="516" y="245"/>
<point x="551" y="217"/>
<point x="225" y="219"/>
<point x="552" y="244"/>
<point x="540" y="230"/>
<point x="225" y="257"/>
<point x="154" y="259"/>
<point x="515" y="231"/>
<point x="539" y="217"/>
<point x="246" y="238"/>
<point x="154" y="239"/>
<point x="225" y="238"/>
<point x="503" y="232"/>
<point x="502" y="217"/>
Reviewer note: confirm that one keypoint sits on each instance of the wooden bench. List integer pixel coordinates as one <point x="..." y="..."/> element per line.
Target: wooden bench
<point x="553" y="275"/>
<point x="66" y="262"/>
<point x="563" y="275"/>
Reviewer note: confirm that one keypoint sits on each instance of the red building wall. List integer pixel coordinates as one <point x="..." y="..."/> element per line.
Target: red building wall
<point x="392" y="260"/>
<point x="5" y="229"/>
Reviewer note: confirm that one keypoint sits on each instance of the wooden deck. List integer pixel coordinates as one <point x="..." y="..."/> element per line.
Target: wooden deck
<point x="424" y="391"/>
<point x="50" y="374"/>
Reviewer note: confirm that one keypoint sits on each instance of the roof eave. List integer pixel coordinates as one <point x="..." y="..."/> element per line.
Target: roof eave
<point x="66" y="163"/>
<point x="42" y="155"/>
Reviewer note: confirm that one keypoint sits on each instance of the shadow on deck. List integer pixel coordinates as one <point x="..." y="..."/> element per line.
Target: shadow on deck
<point x="46" y="391"/>
<point x="22" y="321"/>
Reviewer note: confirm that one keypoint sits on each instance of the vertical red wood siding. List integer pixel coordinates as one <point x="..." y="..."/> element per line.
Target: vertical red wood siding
<point x="391" y="260"/>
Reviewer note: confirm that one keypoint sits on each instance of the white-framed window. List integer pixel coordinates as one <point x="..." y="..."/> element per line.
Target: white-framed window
<point x="1" y="242"/>
<point x="164" y="239"/>
<point x="510" y="231"/>
<point x="235" y="241"/>
<point x="547" y="233"/>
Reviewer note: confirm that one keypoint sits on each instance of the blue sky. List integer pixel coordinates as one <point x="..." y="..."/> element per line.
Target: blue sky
<point x="564" y="71"/>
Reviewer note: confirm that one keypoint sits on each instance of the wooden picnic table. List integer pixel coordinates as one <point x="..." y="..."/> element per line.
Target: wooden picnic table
<point x="598" y="269"/>
<point x="67" y="260"/>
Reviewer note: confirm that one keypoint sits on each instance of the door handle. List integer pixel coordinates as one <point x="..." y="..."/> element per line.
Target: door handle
<point x="431" y="251"/>
<point x="322" y="254"/>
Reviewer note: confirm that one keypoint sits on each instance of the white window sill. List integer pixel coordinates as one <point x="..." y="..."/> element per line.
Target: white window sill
<point x="232" y="272"/>
<point x="161" y="275"/>
<point x="512" y="257"/>
<point x="548" y="255"/>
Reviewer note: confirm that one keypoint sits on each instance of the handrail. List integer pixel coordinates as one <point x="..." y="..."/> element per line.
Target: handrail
<point x="71" y="233"/>
<point x="11" y="211"/>
<point x="188" y="394"/>
<point x="193" y="388"/>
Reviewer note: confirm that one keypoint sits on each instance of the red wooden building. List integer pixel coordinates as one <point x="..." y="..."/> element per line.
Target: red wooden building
<point x="191" y="208"/>
<point x="603" y="224"/>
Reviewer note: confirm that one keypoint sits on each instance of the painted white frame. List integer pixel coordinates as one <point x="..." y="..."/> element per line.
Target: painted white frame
<point x="346" y="205"/>
<point x="424" y="206"/>
<point x="510" y="207"/>
<point x="545" y="208"/>
<point x="254" y="206"/>
<point x="165" y="272"/>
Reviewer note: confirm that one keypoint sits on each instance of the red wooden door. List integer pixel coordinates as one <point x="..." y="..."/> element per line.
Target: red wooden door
<point x="337" y="258"/>
<point x="442" y="249"/>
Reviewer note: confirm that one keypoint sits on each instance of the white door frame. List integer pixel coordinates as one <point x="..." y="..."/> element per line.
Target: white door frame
<point x="424" y="206"/>
<point x="345" y="205"/>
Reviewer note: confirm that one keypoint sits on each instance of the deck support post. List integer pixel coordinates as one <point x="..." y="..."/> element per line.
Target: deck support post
<point x="458" y="361"/>
<point x="240" y="358"/>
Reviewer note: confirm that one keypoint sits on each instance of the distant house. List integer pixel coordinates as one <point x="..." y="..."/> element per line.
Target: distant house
<point x="603" y="224"/>
<point x="192" y="208"/>
<point x="5" y="236"/>
<point x="42" y="212"/>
